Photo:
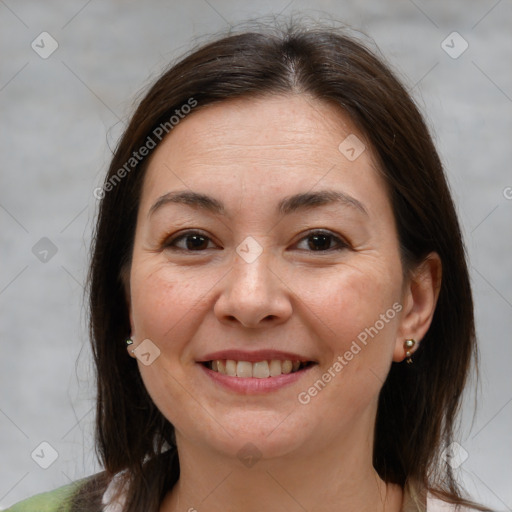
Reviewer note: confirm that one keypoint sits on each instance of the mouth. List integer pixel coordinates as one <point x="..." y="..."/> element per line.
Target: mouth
<point x="263" y="369"/>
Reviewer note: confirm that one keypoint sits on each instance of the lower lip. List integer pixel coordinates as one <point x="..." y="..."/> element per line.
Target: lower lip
<point x="252" y="385"/>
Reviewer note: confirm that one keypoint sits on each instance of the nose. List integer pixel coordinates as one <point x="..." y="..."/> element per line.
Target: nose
<point x="253" y="295"/>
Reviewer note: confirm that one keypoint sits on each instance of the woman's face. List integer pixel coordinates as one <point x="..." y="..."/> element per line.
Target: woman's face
<point x="265" y="239"/>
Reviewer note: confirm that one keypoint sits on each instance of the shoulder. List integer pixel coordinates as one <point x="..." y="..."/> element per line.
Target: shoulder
<point x="58" y="500"/>
<point x="437" y="505"/>
<point x="417" y="498"/>
<point x="63" y="499"/>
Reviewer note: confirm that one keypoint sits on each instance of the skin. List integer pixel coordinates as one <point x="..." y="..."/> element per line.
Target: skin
<point x="250" y="154"/>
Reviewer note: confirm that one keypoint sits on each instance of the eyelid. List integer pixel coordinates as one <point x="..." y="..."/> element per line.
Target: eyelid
<point x="341" y="242"/>
<point x="168" y="240"/>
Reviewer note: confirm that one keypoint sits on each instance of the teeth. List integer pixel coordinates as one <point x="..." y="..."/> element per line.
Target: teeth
<point x="287" y="366"/>
<point x="231" y="368"/>
<point x="275" y="368"/>
<point x="243" y="369"/>
<point x="259" y="370"/>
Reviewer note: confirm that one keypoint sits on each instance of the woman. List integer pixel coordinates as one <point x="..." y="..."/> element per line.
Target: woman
<point x="281" y="313"/>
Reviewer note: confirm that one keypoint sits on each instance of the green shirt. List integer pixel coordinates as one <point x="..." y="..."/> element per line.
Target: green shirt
<point x="58" y="500"/>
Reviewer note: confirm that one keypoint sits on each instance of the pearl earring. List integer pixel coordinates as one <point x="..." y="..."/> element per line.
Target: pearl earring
<point x="408" y="345"/>
<point x="129" y="342"/>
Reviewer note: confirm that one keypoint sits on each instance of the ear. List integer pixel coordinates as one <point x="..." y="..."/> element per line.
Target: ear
<point x="125" y="279"/>
<point x="419" y="299"/>
<point x="130" y="348"/>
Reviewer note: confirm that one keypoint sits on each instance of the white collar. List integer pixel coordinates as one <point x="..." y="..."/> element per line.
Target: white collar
<point x="114" y="488"/>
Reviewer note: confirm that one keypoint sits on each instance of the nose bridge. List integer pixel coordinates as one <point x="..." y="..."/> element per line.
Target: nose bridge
<point x="252" y="293"/>
<point x="252" y="278"/>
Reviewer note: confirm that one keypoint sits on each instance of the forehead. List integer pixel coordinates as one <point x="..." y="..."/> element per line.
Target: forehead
<point x="273" y="143"/>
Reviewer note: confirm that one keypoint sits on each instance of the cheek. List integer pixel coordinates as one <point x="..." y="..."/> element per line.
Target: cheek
<point x="358" y="317"/>
<point x="152" y="307"/>
<point x="352" y="299"/>
<point x="162" y="311"/>
<point x="161" y="302"/>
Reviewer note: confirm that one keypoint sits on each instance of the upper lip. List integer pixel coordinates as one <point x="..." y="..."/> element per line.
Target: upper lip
<point x="254" y="356"/>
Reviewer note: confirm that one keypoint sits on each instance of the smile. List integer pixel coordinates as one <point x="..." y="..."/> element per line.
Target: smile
<point x="259" y="369"/>
<point x="255" y="378"/>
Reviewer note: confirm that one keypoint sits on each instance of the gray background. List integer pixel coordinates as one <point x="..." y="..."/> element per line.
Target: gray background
<point x="60" y="114"/>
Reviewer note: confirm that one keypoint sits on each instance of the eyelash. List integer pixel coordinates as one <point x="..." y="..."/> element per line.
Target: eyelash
<point x="342" y="244"/>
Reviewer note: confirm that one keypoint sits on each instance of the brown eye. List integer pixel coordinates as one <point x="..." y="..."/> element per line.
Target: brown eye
<point x="190" y="241"/>
<point x="321" y="241"/>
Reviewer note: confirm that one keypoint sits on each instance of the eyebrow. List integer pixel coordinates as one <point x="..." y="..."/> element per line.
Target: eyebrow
<point x="286" y="206"/>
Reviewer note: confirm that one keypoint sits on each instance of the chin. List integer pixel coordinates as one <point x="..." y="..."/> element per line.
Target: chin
<point x="254" y="434"/>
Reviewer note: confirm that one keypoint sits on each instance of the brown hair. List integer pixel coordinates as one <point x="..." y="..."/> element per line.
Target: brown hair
<point x="418" y="404"/>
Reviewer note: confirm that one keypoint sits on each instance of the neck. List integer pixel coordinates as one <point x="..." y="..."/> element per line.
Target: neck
<point x="317" y="480"/>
